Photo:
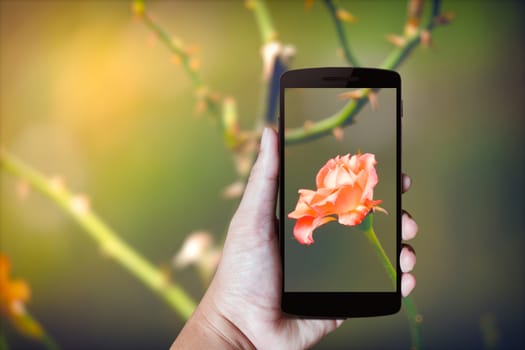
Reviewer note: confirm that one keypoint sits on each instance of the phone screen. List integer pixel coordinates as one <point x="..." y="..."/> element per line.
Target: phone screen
<point x="332" y="185"/>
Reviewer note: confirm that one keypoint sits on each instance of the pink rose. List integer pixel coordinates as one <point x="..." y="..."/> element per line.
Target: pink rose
<point x="345" y="188"/>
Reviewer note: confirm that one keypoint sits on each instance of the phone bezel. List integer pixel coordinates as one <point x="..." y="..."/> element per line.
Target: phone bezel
<point x="341" y="304"/>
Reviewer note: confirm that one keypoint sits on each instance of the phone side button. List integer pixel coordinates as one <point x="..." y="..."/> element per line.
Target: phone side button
<point x="401" y="108"/>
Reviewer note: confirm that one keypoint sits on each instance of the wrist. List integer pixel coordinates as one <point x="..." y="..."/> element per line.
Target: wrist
<point x="207" y="328"/>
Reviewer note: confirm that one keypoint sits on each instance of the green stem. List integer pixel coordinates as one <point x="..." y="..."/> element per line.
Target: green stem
<point x="409" y="306"/>
<point x="28" y="326"/>
<point x="264" y="21"/>
<point x="42" y="335"/>
<point x="346" y="115"/>
<point x="414" y="319"/>
<point x="179" y="51"/>
<point x="398" y="55"/>
<point x="268" y="34"/>
<point x="270" y="82"/>
<point x="380" y="252"/>
<point x="174" y="48"/>
<point x="108" y="239"/>
<point x="341" y="34"/>
<point x="343" y="117"/>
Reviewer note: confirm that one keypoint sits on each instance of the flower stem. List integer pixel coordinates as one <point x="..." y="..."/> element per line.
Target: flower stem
<point x="43" y="336"/>
<point x="409" y="306"/>
<point x="380" y="252"/>
<point x="414" y="319"/>
<point x="109" y="241"/>
<point x="350" y="58"/>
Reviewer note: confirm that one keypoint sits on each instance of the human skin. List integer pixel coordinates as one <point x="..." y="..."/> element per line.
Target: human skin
<point x="241" y="308"/>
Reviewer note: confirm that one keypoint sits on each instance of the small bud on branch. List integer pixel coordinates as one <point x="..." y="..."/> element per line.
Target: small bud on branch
<point x="397" y="40"/>
<point x="345" y="16"/>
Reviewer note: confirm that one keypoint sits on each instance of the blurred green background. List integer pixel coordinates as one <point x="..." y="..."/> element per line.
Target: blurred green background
<point x="87" y="94"/>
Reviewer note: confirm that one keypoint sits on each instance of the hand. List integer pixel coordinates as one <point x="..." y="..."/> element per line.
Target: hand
<point x="241" y="308"/>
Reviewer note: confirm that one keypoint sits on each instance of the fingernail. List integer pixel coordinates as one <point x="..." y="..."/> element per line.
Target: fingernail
<point x="407" y="261"/>
<point x="407" y="181"/>
<point x="408" y="283"/>
<point x="409" y="228"/>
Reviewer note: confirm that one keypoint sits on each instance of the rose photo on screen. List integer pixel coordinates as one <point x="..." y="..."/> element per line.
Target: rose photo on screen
<point x="345" y="187"/>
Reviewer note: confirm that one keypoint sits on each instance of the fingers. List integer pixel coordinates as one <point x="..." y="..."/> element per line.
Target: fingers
<point x="407" y="258"/>
<point x="258" y="203"/>
<point x="408" y="226"/>
<point x="408" y="283"/>
<point x="407" y="182"/>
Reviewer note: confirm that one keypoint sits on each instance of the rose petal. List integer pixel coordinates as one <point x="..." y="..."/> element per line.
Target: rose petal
<point x="361" y="179"/>
<point x="372" y="180"/>
<point x="303" y="230"/>
<point x="320" y="178"/>
<point x="344" y="177"/>
<point x="305" y="226"/>
<point x="324" y="200"/>
<point x="330" y="179"/>
<point x="349" y="198"/>
<point x="307" y="194"/>
<point x="354" y="164"/>
<point x="303" y="207"/>
<point x="354" y="217"/>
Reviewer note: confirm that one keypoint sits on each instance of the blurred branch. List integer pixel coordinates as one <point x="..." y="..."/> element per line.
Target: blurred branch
<point x="343" y="117"/>
<point x="109" y="241"/>
<point x="405" y="46"/>
<point x="182" y="54"/>
<point x="263" y="19"/>
<point x="224" y="109"/>
<point x="414" y="320"/>
<point x="29" y="326"/>
<point x="412" y="40"/>
<point x="341" y="34"/>
<point x="276" y="58"/>
<point x="14" y="294"/>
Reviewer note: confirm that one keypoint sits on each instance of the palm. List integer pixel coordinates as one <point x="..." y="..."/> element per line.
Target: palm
<point x="250" y="274"/>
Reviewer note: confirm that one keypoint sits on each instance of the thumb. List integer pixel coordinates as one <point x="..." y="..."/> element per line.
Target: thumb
<point x="257" y="207"/>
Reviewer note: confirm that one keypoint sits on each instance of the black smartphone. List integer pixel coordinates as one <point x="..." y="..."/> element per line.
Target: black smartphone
<point x="340" y="191"/>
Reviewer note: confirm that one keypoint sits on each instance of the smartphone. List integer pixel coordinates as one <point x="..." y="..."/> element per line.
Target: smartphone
<point x="340" y="191"/>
